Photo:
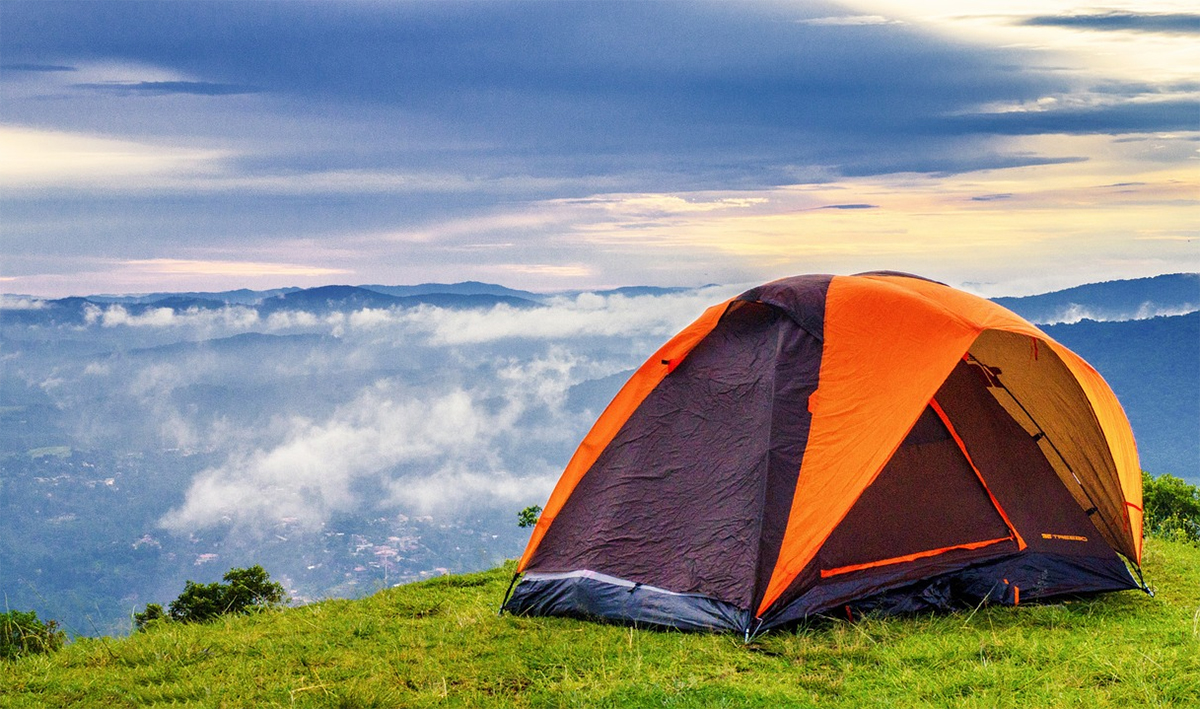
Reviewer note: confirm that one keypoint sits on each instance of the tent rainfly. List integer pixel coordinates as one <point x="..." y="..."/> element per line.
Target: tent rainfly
<point x="841" y="444"/>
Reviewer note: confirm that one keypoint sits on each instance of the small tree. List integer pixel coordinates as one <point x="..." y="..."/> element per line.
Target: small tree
<point x="153" y="612"/>
<point x="528" y="517"/>
<point x="245" y="590"/>
<point x="251" y="588"/>
<point x="21" y="633"/>
<point x="198" y="603"/>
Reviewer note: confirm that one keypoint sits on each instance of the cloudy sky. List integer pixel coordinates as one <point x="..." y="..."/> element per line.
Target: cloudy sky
<point x="1013" y="147"/>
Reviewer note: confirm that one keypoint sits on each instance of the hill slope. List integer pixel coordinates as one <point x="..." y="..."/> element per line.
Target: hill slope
<point x="440" y="643"/>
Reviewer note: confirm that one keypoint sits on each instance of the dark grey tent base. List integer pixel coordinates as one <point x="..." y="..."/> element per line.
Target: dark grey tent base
<point x="591" y="595"/>
<point x="1020" y="578"/>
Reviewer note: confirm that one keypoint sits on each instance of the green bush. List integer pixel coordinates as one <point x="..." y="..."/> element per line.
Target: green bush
<point x="245" y="590"/>
<point x="22" y="633"/>
<point x="153" y="612"/>
<point x="528" y="517"/>
<point x="1172" y="508"/>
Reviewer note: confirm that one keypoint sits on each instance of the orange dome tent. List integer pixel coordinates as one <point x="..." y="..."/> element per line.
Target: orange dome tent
<point x="877" y="441"/>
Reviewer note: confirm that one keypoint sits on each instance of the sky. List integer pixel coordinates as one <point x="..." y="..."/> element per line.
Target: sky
<point x="1009" y="148"/>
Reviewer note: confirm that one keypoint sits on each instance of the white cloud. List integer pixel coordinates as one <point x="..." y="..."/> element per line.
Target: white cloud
<point x="427" y="448"/>
<point x="234" y="317"/>
<point x="413" y="410"/>
<point x="196" y="267"/>
<point x="36" y="158"/>
<point x="15" y="302"/>
<point x="1073" y="313"/>
<point x="661" y="204"/>
<point x="587" y="314"/>
<point x="453" y="487"/>
<point x="850" y="21"/>
<point x="310" y="474"/>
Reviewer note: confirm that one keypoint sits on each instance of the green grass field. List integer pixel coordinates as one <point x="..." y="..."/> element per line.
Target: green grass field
<point x="441" y="643"/>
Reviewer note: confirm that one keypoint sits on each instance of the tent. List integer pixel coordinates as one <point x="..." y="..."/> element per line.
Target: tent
<point x="837" y="444"/>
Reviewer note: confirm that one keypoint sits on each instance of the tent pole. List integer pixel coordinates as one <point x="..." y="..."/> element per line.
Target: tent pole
<point x="508" y="593"/>
<point x="995" y="376"/>
<point x="1042" y="434"/>
<point x="1142" y="581"/>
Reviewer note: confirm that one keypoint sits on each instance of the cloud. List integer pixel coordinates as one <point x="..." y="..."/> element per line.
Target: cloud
<point x="1073" y="313"/>
<point x="1167" y="23"/>
<point x="651" y="204"/>
<point x="413" y="133"/>
<point x="455" y="487"/>
<point x="35" y="157"/>
<point x="851" y="21"/>
<point x="36" y="67"/>
<point x="228" y="268"/>
<point x="429" y="451"/>
<point x="16" y="302"/>
<point x="420" y="411"/>
<point x="311" y="473"/>
<point x="1128" y="117"/>
<point x="494" y="92"/>
<point x="198" y="88"/>
<point x="587" y="314"/>
<point x="560" y="318"/>
<point x="202" y="321"/>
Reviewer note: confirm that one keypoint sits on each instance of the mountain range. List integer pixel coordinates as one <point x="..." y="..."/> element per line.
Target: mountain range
<point x="1135" y="299"/>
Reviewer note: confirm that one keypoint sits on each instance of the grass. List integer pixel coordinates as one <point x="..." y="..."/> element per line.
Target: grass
<point x="441" y="643"/>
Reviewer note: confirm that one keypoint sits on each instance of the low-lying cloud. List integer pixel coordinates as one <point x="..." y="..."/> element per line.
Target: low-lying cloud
<point x="1074" y="313"/>
<point x="562" y="317"/>
<point x="416" y="448"/>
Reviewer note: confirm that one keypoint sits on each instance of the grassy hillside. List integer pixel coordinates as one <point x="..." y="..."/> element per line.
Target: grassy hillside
<point x="440" y="643"/>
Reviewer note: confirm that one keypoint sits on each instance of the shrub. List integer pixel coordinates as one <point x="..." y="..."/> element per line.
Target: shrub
<point x="199" y="602"/>
<point x="1172" y="508"/>
<point x="245" y="590"/>
<point x="528" y="517"/>
<point x="153" y="612"/>
<point x="21" y="633"/>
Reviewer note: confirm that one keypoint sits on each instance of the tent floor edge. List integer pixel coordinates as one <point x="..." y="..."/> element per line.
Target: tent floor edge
<point x="593" y="596"/>
<point x="1010" y="580"/>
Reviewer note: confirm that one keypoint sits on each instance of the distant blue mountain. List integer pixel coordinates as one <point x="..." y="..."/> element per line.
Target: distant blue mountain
<point x="1172" y="294"/>
<point x="241" y="296"/>
<point x="324" y="299"/>
<point x="1140" y="298"/>
<point x="343" y="298"/>
<point x="1153" y="366"/>
<point x="464" y="288"/>
<point x="62" y="311"/>
<point x="177" y="303"/>
<point x="634" y="291"/>
<point x="328" y="299"/>
<point x="74" y="311"/>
